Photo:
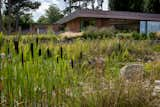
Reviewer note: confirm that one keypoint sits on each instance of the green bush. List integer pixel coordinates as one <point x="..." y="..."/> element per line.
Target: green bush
<point x="124" y="35"/>
<point x="94" y="33"/>
<point x="47" y="38"/>
<point x="139" y="36"/>
<point x="154" y="36"/>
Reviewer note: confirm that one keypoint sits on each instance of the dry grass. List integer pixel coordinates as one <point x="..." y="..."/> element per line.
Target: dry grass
<point x="71" y="34"/>
<point x="158" y="34"/>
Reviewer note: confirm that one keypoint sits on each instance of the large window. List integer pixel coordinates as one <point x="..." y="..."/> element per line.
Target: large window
<point x="149" y="26"/>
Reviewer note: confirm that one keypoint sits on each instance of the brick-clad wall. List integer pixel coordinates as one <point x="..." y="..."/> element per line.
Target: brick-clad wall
<point x="74" y="25"/>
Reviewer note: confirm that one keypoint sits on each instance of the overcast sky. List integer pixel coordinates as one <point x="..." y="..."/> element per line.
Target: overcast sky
<point x="60" y="3"/>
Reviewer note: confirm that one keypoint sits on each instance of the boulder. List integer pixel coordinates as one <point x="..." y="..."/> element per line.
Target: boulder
<point x="132" y="72"/>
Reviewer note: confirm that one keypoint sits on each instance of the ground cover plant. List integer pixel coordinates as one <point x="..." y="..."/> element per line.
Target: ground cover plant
<point x="82" y="73"/>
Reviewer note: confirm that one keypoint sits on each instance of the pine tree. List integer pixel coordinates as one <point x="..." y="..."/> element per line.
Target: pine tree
<point x="16" y="8"/>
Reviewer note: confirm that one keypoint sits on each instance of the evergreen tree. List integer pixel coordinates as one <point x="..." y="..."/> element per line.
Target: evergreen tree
<point x="127" y="5"/>
<point x="153" y="6"/>
<point x="16" y="8"/>
<point x="82" y="4"/>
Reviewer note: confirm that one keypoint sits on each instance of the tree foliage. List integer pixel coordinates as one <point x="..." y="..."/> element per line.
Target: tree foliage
<point x="25" y="21"/>
<point x="42" y="20"/>
<point x="52" y="15"/>
<point x="126" y="5"/>
<point x="20" y="6"/>
<point x="16" y="8"/>
<point x="82" y="4"/>
<point x="152" y="6"/>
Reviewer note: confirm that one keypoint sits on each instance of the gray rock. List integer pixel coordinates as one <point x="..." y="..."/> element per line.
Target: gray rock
<point x="132" y="72"/>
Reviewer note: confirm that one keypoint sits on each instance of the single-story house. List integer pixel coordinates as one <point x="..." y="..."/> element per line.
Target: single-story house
<point x="81" y="19"/>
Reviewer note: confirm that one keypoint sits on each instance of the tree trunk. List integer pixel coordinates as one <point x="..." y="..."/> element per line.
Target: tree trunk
<point x="92" y="2"/>
<point x="70" y="6"/>
<point x="9" y="17"/>
<point x="1" y="24"/>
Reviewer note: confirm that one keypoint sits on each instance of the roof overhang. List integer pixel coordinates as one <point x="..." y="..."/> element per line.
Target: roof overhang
<point x="110" y="14"/>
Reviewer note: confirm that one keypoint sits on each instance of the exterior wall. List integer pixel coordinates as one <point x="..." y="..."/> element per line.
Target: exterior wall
<point x="74" y="25"/>
<point x="133" y="25"/>
<point x="44" y="28"/>
<point x="118" y="23"/>
<point x="56" y="28"/>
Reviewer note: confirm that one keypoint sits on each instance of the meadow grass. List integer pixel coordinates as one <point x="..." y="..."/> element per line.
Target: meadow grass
<point x="66" y="74"/>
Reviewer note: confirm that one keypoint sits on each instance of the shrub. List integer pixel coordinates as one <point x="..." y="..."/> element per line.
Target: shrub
<point x="139" y="36"/>
<point x="94" y="33"/>
<point x="153" y="69"/>
<point x="43" y="38"/>
<point x="158" y="35"/>
<point x="154" y="35"/>
<point x="124" y="35"/>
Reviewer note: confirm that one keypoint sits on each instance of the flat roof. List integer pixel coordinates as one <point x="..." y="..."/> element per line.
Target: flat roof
<point x="86" y="13"/>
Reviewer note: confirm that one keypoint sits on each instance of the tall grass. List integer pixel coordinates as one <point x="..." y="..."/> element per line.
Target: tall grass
<point x="59" y="74"/>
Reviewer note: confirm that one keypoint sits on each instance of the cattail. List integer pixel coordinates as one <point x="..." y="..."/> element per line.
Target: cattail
<point x="22" y="59"/>
<point x="39" y="52"/>
<point x="72" y="63"/>
<point x="61" y="52"/>
<point x="119" y="46"/>
<point x="16" y="46"/>
<point x="49" y="54"/>
<point x="32" y="50"/>
<point x="57" y="60"/>
<point x="37" y="41"/>
<point x="1" y="88"/>
<point x="8" y="51"/>
<point x="81" y="55"/>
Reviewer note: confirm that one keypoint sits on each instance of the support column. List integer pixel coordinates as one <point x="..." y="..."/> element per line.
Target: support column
<point x="146" y="27"/>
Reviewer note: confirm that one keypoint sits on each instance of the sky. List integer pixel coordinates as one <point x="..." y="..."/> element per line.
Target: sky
<point x="60" y="3"/>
